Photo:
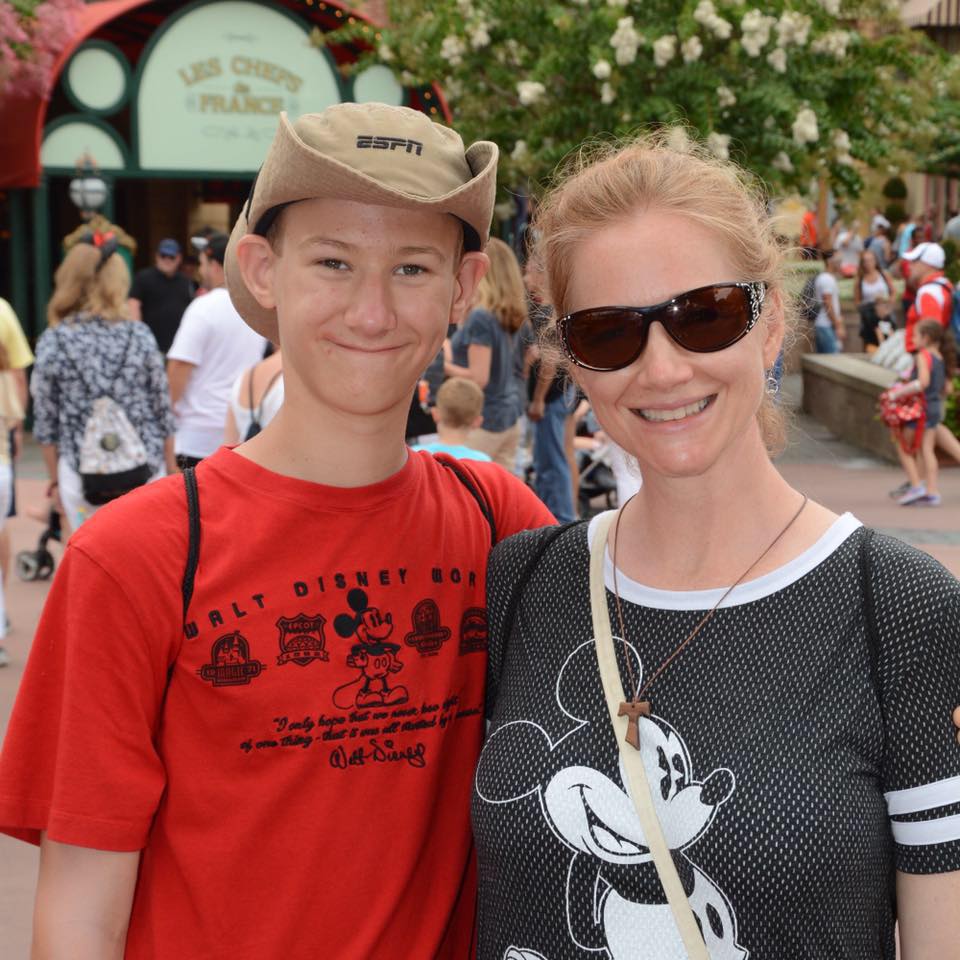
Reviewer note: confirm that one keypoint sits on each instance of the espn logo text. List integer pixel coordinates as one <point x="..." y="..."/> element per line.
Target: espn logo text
<point x="389" y="143"/>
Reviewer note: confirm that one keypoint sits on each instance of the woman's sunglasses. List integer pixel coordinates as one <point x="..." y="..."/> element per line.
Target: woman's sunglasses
<point x="703" y="321"/>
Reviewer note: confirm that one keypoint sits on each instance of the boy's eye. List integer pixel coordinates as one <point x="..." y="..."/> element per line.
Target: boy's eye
<point x="331" y="263"/>
<point x="411" y="270"/>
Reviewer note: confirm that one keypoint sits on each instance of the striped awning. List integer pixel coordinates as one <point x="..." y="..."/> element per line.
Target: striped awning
<point x="931" y="13"/>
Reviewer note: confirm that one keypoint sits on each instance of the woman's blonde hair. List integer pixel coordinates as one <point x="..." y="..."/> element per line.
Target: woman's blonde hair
<point x="501" y="290"/>
<point x="668" y="172"/>
<point x="83" y="285"/>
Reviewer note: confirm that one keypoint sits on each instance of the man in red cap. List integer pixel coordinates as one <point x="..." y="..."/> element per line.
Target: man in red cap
<point x="250" y="718"/>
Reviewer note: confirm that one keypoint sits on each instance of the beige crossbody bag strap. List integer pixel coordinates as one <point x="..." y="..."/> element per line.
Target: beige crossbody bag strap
<point x="639" y="787"/>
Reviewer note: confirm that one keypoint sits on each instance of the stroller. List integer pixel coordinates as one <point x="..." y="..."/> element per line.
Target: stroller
<point x="38" y="564"/>
<point x="596" y="480"/>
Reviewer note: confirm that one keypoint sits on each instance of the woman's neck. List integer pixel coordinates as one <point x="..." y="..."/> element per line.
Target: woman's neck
<point x="704" y="532"/>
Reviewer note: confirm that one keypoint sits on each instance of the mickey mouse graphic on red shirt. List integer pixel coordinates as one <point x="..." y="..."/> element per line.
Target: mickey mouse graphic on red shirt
<point x="373" y="656"/>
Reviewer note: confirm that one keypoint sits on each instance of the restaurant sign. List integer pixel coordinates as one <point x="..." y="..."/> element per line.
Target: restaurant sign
<point x="214" y="81"/>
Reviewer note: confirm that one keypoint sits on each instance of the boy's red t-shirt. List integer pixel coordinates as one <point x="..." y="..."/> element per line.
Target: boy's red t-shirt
<point x="301" y="787"/>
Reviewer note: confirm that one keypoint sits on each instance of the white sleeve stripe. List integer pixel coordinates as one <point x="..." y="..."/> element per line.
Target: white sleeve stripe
<point x="926" y="797"/>
<point x="922" y="833"/>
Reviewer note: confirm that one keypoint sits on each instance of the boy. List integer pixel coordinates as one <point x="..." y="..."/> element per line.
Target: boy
<point x="282" y="767"/>
<point x="459" y="410"/>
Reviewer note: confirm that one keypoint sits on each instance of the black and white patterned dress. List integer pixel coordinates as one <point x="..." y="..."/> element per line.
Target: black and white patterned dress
<point x="795" y="763"/>
<point x="85" y="358"/>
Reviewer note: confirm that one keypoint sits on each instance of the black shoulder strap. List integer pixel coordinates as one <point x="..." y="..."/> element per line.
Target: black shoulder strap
<point x="193" y="556"/>
<point x="516" y="595"/>
<point x="193" y="543"/>
<point x="469" y="481"/>
<point x="869" y="608"/>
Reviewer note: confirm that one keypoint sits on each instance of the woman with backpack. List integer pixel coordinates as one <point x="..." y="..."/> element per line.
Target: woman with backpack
<point x="101" y="403"/>
<point x="873" y="296"/>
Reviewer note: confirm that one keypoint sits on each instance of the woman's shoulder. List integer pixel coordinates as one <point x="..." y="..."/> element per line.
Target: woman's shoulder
<point x="907" y="584"/>
<point x="516" y="555"/>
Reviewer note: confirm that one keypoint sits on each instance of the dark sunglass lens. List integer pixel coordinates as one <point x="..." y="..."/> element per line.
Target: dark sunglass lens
<point x="709" y="319"/>
<point x="604" y="338"/>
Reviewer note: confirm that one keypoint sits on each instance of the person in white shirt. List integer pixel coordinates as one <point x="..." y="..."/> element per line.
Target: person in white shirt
<point x="828" y="328"/>
<point x="213" y="346"/>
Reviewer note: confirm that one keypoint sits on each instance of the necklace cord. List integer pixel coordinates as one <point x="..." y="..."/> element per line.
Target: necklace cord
<point x="637" y="694"/>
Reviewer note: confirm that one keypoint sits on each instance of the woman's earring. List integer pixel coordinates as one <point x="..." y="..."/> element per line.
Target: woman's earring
<point x="773" y="385"/>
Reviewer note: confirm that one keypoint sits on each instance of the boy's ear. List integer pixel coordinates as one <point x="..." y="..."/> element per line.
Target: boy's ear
<point x="478" y="422"/>
<point x="435" y="413"/>
<point x="472" y="267"/>
<point x="257" y="259"/>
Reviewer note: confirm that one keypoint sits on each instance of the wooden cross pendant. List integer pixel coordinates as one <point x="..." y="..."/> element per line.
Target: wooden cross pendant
<point x="634" y="710"/>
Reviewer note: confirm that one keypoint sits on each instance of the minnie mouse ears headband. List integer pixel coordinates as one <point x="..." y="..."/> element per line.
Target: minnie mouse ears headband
<point x="106" y="243"/>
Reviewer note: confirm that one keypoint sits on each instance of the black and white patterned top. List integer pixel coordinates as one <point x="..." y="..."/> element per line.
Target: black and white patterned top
<point x="795" y="765"/>
<point x="85" y="358"/>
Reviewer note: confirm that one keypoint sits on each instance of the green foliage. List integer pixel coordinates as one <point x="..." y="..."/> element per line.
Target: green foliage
<point x="792" y="92"/>
<point x="896" y="213"/>
<point x="951" y="413"/>
<point x="895" y="189"/>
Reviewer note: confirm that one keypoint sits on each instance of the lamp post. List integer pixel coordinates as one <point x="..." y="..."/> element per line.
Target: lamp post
<point x="88" y="190"/>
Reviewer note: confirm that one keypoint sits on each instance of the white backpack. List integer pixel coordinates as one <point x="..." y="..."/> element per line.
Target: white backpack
<point x="112" y="456"/>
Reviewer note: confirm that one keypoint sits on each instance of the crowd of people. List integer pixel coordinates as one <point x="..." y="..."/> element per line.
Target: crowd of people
<point x="717" y="721"/>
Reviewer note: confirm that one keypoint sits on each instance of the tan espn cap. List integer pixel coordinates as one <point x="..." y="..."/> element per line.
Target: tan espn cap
<point x="368" y="153"/>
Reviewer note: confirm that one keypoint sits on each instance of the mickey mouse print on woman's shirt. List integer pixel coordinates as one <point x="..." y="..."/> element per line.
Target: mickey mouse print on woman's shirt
<point x="609" y="896"/>
<point x="795" y="764"/>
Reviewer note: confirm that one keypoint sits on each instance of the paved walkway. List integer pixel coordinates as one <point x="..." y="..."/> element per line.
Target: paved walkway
<point x="829" y="471"/>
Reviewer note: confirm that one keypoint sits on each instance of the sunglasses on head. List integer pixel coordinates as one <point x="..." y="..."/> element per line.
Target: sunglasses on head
<point x="703" y="321"/>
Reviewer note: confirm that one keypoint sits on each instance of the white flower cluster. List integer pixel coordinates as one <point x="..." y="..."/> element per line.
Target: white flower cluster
<point x="520" y="151"/>
<point x="805" y="129"/>
<point x="465" y="7"/>
<point x="452" y="88"/>
<point x="726" y="97"/>
<point x="778" y="59"/>
<point x="706" y="13"/>
<point x="664" y="49"/>
<point x="452" y="49"/>
<point x="841" y="143"/>
<point x="384" y="53"/>
<point x="793" y="28"/>
<point x="755" y="27"/>
<point x="602" y="70"/>
<point x="625" y="41"/>
<point x="833" y="43"/>
<point x="505" y="209"/>
<point x="831" y="6"/>
<point x="511" y="52"/>
<point x="607" y="93"/>
<point x="692" y="49"/>
<point x="617" y="3"/>
<point x="530" y="92"/>
<point x="719" y="145"/>
<point x="479" y="33"/>
<point x="782" y="162"/>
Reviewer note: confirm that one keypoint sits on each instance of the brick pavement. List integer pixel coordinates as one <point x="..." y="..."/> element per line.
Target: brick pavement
<point x="829" y="471"/>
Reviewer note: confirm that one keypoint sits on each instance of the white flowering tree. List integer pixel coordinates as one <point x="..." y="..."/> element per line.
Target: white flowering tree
<point x="796" y="89"/>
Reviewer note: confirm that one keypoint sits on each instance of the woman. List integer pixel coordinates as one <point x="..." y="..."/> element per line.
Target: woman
<point x="795" y="731"/>
<point x="97" y="369"/>
<point x="255" y="399"/>
<point x="484" y="350"/>
<point x="873" y="297"/>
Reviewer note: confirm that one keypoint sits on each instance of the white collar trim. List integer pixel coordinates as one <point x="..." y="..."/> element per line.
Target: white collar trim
<point x="747" y="592"/>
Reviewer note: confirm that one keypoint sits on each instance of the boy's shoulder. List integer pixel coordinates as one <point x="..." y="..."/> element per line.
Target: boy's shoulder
<point x="138" y="528"/>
